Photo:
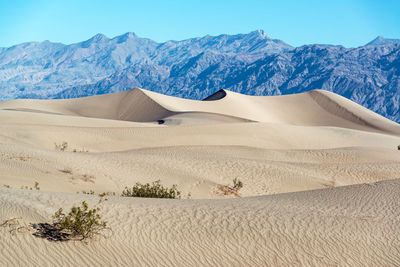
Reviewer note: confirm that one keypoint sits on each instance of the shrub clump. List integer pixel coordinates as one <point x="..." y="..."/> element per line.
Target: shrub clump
<point x="36" y="186"/>
<point x="81" y="222"/>
<point x="232" y="190"/>
<point x="90" y="192"/>
<point x="398" y="147"/>
<point x="154" y="190"/>
<point x="61" y="147"/>
<point x="237" y="185"/>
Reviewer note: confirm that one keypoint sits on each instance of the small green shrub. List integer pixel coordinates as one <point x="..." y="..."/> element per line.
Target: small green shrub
<point x="81" y="222"/>
<point x="36" y="186"/>
<point x="154" y="190"/>
<point x="237" y="185"/>
<point x="398" y="147"/>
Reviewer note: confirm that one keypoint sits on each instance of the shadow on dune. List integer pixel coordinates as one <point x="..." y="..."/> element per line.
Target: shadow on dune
<point x="216" y="96"/>
<point x="50" y="232"/>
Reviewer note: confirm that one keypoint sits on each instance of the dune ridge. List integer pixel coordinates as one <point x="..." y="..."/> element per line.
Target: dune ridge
<point x="351" y="111"/>
<point x="314" y="108"/>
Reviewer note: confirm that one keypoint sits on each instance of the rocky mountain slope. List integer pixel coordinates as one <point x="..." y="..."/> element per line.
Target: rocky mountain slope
<point x="195" y="68"/>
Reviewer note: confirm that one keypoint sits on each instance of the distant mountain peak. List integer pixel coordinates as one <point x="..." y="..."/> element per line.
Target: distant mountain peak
<point x="130" y="34"/>
<point x="259" y="33"/>
<point x="126" y="36"/>
<point x="99" y="37"/>
<point x="380" y="40"/>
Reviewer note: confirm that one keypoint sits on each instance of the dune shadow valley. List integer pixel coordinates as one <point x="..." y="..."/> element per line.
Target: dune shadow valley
<point x="306" y="179"/>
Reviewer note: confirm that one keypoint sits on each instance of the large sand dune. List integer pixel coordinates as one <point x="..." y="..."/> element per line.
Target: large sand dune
<point x="346" y="226"/>
<point x="276" y="145"/>
<point x="314" y="108"/>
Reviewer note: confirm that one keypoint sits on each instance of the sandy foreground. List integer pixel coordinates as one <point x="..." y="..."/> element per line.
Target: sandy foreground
<point x="321" y="180"/>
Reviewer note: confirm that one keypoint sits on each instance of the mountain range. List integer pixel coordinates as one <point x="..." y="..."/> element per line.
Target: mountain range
<point x="195" y="68"/>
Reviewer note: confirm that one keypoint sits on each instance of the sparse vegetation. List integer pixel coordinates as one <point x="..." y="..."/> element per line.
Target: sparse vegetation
<point x="90" y="192"/>
<point x="398" y="147"/>
<point x="81" y="222"/>
<point x="80" y="150"/>
<point x="15" y="226"/>
<point x="7" y="185"/>
<point x="237" y="184"/>
<point x="64" y="145"/>
<point x="36" y="186"/>
<point x="154" y="190"/>
<point x="227" y="190"/>
<point x="86" y="178"/>
<point x="61" y="147"/>
<point x="107" y="194"/>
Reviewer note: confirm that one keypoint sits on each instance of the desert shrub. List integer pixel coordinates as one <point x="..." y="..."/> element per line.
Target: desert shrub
<point x="81" y="222"/>
<point x="15" y="226"/>
<point x="237" y="184"/>
<point x="154" y="190"/>
<point x="234" y="190"/>
<point x="90" y="192"/>
<point x="36" y="186"/>
<point x="61" y="147"/>
<point x="398" y="147"/>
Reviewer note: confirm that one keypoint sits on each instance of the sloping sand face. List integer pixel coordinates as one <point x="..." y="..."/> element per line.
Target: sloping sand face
<point x="344" y="226"/>
<point x="314" y="108"/>
<point x="274" y="145"/>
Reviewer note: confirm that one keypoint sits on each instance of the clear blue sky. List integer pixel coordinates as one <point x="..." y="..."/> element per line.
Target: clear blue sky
<point x="346" y="22"/>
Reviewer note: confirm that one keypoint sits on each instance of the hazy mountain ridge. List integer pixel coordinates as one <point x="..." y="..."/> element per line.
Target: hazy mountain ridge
<point x="381" y="40"/>
<point x="195" y="68"/>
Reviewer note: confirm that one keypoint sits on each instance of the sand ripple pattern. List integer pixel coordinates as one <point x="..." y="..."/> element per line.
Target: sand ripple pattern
<point x="347" y="226"/>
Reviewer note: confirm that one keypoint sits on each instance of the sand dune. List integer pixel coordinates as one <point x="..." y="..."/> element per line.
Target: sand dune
<point x="276" y="145"/>
<point x="314" y="108"/>
<point x="346" y="226"/>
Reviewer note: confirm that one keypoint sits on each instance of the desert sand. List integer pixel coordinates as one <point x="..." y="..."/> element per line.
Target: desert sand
<point x="321" y="179"/>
